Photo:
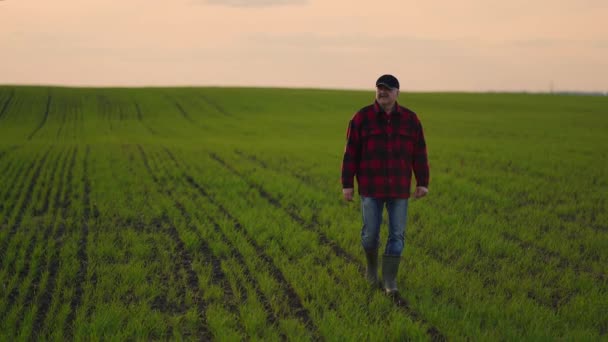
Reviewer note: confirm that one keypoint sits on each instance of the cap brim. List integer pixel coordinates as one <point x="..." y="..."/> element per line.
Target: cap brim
<point x="386" y="85"/>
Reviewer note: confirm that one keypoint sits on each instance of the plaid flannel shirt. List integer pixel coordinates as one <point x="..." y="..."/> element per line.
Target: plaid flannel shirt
<point x="382" y="150"/>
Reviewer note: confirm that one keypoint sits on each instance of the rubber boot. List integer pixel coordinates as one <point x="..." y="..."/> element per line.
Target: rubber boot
<point x="372" y="267"/>
<point x="390" y="266"/>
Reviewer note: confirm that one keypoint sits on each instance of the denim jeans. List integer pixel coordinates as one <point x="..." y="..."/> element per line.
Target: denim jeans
<point x="371" y="209"/>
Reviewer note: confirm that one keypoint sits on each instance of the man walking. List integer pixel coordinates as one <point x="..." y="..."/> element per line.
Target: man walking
<point x="384" y="144"/>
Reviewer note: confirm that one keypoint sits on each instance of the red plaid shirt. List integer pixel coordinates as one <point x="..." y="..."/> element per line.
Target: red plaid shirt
<point x="382" y="150"/>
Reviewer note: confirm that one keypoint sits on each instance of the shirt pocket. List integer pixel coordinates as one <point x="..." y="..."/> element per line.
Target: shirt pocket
<point x="406" y="140"/>
<point x="373" y="139"/>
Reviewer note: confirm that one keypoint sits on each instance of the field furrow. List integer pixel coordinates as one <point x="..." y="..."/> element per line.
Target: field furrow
<point x="293" y="301"/>
<point x="184" y="260"/>
<point x="7" y="174"/>
<point x="18" y="181"/>
<point x="15" y="215"/>
<point x="54" y="246"/>
<point x="39" y="260"/>
<point x="294" y="308"/>
<point x="248" y="269"/>
<point x="219" y="277"/>
<point x="83" y="241"/>
<point x="24" y="251"/>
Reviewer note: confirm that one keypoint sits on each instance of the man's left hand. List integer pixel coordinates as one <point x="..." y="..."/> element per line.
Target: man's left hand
<point x="420" y="192"/>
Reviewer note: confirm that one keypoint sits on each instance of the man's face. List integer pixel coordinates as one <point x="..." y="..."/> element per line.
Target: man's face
<point x="386" y="96"/>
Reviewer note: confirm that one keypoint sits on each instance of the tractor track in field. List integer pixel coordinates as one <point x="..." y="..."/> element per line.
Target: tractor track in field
<point x="271" y="317"/>
<point x="46" y="116"/>
<point x="140" y="118"/>
<point x="81" y="253"/>
<point x="34" y="287"/>
<point x="7" y="103"/>
<point x="183" y="112"/>
<point x="433" y="332"/>
<point x="184" y="258"/>
<point x="215" y="106"/>
<point x="45" y="298"/>
<point x="293" y="300"/>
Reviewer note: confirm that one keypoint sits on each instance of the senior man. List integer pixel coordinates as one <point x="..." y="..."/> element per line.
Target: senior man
<point x="384" y="145"/>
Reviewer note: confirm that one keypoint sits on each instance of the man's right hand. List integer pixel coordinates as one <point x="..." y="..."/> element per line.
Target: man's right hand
<point x="348" y="194"/>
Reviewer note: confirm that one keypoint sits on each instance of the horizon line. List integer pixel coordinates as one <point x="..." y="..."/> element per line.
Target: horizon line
<point x="496" y="91"/>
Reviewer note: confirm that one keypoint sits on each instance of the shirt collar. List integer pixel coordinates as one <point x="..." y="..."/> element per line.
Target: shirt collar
<point x="379" y="110"/>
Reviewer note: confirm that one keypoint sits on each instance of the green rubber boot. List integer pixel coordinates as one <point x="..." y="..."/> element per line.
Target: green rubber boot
<point x="390" y="267"/>
<point x="372" y="267"/>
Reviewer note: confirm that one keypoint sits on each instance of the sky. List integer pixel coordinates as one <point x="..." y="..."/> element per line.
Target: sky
<point x="432" y="45"/>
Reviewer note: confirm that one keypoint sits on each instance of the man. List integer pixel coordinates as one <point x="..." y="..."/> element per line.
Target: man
<point x="384" y="144"/>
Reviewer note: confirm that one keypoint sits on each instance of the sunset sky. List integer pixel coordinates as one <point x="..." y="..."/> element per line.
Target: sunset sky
<point x="466" y="45"/>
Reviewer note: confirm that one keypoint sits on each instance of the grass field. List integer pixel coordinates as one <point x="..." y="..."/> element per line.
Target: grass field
<point x="210" y="213"/>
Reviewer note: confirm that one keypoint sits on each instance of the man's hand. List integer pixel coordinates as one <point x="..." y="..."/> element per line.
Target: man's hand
<point x="420" y="192"/>
<point x="348" y="194"/>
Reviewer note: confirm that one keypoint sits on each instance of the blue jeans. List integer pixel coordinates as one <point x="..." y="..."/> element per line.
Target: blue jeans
<point x="371" y="209"/>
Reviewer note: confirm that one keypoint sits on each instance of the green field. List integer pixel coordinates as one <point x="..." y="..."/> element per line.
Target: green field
<point x="212" y="213"/>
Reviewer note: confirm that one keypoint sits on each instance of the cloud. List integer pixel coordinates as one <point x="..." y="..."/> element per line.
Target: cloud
<point x="256" y="3"/>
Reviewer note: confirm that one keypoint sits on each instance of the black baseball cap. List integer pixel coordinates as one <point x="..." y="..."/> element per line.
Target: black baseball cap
<point x="389" y="81"/>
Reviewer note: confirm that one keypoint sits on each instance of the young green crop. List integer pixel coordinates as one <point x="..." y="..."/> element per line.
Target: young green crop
<point x="216" y="213"/>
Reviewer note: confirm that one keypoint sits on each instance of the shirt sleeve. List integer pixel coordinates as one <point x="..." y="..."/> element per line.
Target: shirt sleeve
<point x="352" y="153"/>
<point x="420" y="162"/>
